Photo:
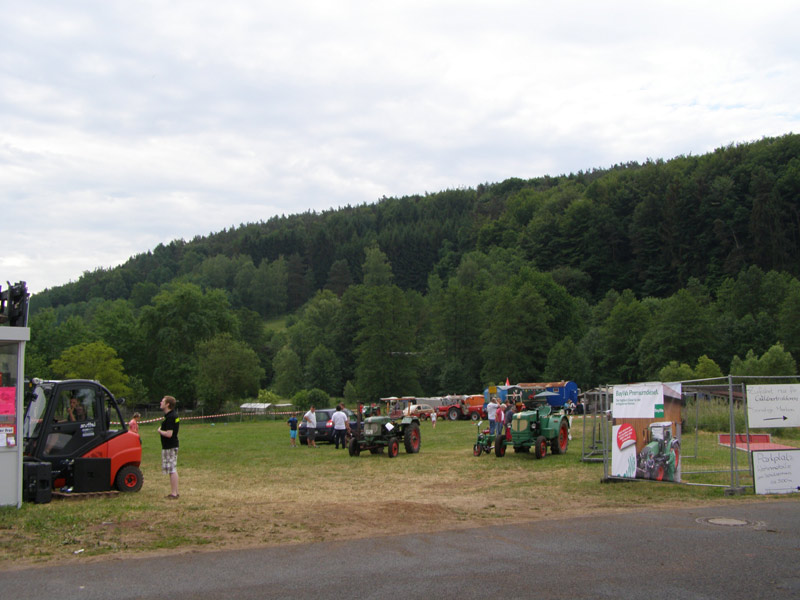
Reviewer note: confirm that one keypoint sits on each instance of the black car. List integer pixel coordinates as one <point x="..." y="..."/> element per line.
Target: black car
<point x="325" y="425"/>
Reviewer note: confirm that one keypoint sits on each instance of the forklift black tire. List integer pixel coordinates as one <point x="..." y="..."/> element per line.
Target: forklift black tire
<point x="354" y="448"/>
<point x="500" y="446"/>
<point x="541" y="446"/>
<point x="394" y="447"/>
<point x="411" y="439"/>
<point x="129" y="479"/>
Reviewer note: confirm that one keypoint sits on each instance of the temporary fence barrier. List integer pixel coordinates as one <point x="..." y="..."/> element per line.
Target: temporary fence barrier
<point x="716" y="441"/>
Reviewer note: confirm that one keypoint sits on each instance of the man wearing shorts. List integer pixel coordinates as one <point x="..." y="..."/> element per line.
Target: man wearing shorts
<point x="311" y="427"/>
<point x="169" y="444"/>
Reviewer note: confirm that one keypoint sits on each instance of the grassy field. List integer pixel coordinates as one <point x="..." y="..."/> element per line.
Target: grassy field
<point x="242" y="485"/>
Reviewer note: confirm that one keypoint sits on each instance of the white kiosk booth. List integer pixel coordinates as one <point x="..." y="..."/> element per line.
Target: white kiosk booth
<point x="12" y="367"/>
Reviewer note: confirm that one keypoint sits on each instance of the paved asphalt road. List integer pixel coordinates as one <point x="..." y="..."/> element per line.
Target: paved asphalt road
<point x="748" y="550"/>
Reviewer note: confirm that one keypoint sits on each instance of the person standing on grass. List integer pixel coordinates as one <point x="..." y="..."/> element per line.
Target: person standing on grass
<point x="491" y="413"/>
<point x="169" y="444"/>
<point x="292" y="421"/>
<point x="499" y="419"/>
<point x="133" y="424"/>
<point x="433" y="419"/>
<point x="509" y="417"/>
<point x="341" y="427"/>
<point x="311" y="427"/>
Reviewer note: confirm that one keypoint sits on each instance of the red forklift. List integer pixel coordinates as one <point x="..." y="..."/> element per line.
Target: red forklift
<point x="76" y="441"/>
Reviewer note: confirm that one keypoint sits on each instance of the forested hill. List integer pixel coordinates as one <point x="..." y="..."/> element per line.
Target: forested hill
<point x="598" y="276"/>
<point x="647" y="228"/>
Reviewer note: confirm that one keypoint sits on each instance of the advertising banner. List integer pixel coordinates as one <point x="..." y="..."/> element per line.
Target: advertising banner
<point x="639" y="401"/>
<point x="645" y="444"/>
<point x="8" y="401"/>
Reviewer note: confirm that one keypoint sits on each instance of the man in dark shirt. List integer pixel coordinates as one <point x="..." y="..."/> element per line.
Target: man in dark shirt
<point x="169" y="444"/>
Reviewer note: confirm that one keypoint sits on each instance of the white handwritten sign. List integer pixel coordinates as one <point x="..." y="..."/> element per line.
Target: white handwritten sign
<point x="771" y="406"/>
<point x="776" y="471"/>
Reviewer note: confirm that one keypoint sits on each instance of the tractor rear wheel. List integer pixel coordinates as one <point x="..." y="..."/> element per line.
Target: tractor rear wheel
<point x="129" y="479"/>
<point x="354" y="448"/>
<point x="477" y="449"/>
<point x="394" y="447"/>
<point x="559" y="444"/>
<point x="411" y="439"/>
<point x="453" y="414"/>
<point x="541" y="446"/>
<point x="500" y="446"/>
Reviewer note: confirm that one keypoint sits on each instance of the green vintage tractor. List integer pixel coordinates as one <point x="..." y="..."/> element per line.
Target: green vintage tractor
<point x="386" y="431"/>
<point x="537" y="427"/>
<point x="660" y="457"/>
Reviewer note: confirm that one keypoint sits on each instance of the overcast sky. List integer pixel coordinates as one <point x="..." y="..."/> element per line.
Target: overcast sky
<point x="127" y="124"/>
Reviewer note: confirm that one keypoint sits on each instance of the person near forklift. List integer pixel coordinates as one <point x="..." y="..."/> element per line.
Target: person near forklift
<point x="133" y="424"/>
<point x="169" y="444"/>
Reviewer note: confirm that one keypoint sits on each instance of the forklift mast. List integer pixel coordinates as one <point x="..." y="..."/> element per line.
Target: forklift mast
<point x="14" y="305"/>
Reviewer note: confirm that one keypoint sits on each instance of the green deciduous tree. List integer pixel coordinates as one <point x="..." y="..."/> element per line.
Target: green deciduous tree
<point x="179" y="318"/>
<point x="96" y="361"/>
<point x="675" y="371"/>
<point x="775" y="361"/>
<point x="288" y="372"/>
<point x="706" y="368"/>
<point x="322" y="371"/>
<point x="227" y="370"/>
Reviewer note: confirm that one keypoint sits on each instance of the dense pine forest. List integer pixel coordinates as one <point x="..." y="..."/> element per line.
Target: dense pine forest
<point x="671" y="269"/>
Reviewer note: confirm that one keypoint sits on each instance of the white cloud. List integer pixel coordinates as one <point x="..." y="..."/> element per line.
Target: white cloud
<point x="123" y="125"/>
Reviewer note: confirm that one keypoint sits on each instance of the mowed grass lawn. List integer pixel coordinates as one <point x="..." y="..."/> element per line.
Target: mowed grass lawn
<point x="242" y="485"/>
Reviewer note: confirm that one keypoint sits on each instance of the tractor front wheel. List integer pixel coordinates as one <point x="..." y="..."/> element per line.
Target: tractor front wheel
<point x="453" y="414"/>
<point x="129" y="479"/>
<point x="474" y="416"/>
<point x="411" y="439"/>
<point x="541" y="446"/>
<point x="354" y="448"/>
<point x="500" y="446"/>
<point x="394" y="447"/>
<point x="477" y="449"/>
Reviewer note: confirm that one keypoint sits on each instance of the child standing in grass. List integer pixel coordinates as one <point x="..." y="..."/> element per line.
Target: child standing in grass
<point x="133" y="424"/>
<point x="292" y="421"/>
